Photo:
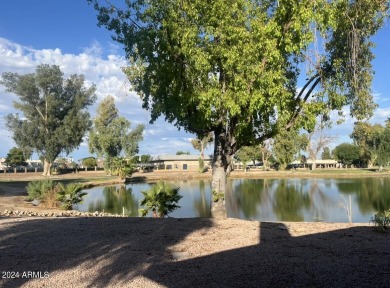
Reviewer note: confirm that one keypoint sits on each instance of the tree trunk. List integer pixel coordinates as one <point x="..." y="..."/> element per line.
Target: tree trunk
<point x="313" y="165"/>
<point x="221" y="162"/>
<point x="46" y="168"/>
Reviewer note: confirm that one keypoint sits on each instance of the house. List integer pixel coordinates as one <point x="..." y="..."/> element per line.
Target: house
<point x="179" y="162"/>
<point x="320" y="163"/>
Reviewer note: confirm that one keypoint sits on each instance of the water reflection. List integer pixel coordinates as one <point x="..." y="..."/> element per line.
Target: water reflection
<point x="116" y="200"/>
<point x="259" y="199"/>
<point x="371" y="193"/>
<point x="289" y="201"/>
<point x="202" y="204"/>
<point x="247" y="196"/>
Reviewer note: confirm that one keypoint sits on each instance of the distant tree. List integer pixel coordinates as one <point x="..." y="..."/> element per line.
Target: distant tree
<point x="326" y="154"/>
<point x="266" y="152"/>
<point x="367" y="137"/>
<point x="347" y="153"/>
<point x="245" y="155"/>
<point x="111" y="134"/>
<point x="201" y="143"/>
<point x="249" y="153"/>
<point x="15" y="157"/>
<point x="89" y="162"/>
<point x="146" y="158"/>
<point x="384" y="148"/>
<point x="55" y="118"/>
<point x="182" y="153"/>
<point x="316" y="141"/>
<point x="287" y="146"/>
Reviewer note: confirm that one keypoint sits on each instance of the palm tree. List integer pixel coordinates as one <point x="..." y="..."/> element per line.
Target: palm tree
<point x="70" y="195"/>
<point x="160" y="199"/>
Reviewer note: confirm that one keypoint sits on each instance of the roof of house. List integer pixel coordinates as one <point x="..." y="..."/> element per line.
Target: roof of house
<point x="317" y="161"/>
<point x="179" y="158"/>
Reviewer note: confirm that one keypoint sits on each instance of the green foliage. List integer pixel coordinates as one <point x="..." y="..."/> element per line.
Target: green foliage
<point x="50" y="192"/>
<point x="381" y="220"/>
<point x="347" y="153"/>
<point x="15" y="157"/>
<point x="326" y="154"/>
<point x="201" y="165"/>
<point x="146" y="158"/>
<point x="216" y="196"/>
<point x="89" y="162"/>
<point x="160" y="199"/>
<point x="55" y="118"/>
<point x="367" y="138"/>
<point x="201" y="143"/>
<point x="232" y="67"/>
<point x="37" y="189"/>
<point x="111" y="133"/>
<point x="248" y="153"/>
<point x="70" y="195"/>
<point x="117" y="200"/>
<point x="287" y="145"/>
<point x="182" y="153"/>
<point x="121" y="167"/>
<point x="384" y="148"/>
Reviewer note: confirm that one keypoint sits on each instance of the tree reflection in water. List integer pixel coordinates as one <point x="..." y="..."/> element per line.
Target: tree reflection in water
<point x="371" y="193"/>
<point x="269" y="199"/>
<point x="247" y="196"/>
<point x="288" y="202"/>
<point x="116" y="201"/>
<point x="202" y="204"/>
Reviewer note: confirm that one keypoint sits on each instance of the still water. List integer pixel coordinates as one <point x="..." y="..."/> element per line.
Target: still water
<point x="259" y="199"/>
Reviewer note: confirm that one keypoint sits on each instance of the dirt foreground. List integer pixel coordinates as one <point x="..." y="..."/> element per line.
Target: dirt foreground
<point x="198" y="252"/>
<point x="140" y="252"/>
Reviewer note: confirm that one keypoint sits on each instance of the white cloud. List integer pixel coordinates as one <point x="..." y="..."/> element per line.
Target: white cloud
<point x="106" y="73"/>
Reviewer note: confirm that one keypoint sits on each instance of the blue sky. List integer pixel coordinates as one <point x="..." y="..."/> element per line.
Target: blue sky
<point x="64" y="33"/>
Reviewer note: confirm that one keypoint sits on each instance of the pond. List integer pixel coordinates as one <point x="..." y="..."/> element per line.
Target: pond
<point x="259" y="199"/>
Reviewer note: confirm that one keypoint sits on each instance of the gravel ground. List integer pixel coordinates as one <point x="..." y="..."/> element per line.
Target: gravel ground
<point x="140" y="252"/>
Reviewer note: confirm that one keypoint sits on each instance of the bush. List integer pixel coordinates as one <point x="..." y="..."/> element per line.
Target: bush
<point x="381" y="220"/>
<point x="160" y="199"/>
<point x="37" y="189"/>
<point x="70" y="195"/>
<point x="51" y="193"/>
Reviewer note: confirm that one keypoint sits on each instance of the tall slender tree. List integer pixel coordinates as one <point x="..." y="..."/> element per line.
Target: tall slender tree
<point x="111" y="134"/>
<point x="232" y="66"/>
<point x="54" y="116"/>
<point x="201" y="143"/>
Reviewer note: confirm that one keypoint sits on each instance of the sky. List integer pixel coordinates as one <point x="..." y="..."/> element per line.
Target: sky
<point x="65" y="33"/>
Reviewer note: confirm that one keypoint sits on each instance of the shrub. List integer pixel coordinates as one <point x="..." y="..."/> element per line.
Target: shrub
<point x="50" y="198"/>
<point x="160" y="199"/>
<point x="70" y="195"/>
<point x="381" y="220"/>
<point x="37" y="189"/>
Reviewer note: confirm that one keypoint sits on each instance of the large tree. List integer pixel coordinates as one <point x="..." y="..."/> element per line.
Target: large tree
<point x="232" y="66"/>
<point x="347" y="153"/>
<point x="111" y="134"/>
<point x="54" y="117"/>
<point x="367" y="138"/>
